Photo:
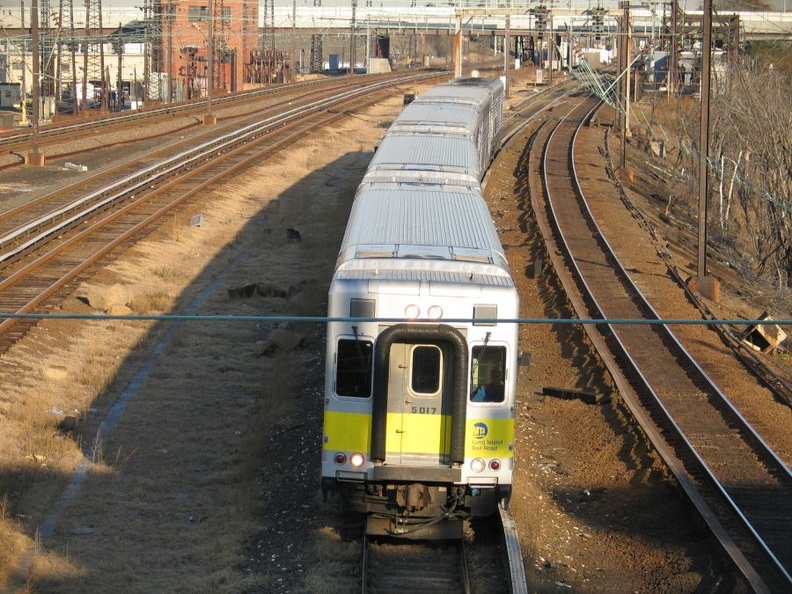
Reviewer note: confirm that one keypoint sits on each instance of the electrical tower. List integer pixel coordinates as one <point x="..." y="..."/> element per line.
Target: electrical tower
<point x="46" y="41"/>
<point x="158" y="50"/>
<point x="268" y="42"/>
<point x="316" y="47"/>
<point x="220" y="45"/>
<point x="93" y="54"/>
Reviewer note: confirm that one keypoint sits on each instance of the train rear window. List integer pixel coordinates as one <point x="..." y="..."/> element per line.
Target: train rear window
<point x="487" y="374"/>
<point x="353" y="368"/>
<point x="426" y="369"/>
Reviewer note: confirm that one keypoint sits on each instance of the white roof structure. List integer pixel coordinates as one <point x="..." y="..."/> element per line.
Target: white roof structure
<point x="439" y="117"/>
<point x="404" y="157"/>
<point x="422" y="234"/>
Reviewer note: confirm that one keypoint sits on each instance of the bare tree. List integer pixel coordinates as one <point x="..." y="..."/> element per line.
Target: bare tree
<point x="751" y="130"/>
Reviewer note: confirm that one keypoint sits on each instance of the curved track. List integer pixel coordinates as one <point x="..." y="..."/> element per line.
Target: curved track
<point x="781" y="388"/>
<point x="740" y="486"/>
<point x="47" y="251"/>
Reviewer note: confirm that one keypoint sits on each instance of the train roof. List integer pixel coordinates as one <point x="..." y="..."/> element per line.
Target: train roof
<point x="455" y="94"/>
<point x="410" y="233"/>
<point x="494" y="85"/>
<point x="426" y="152"/>
<point x="440" y="180"/>
<point x="441" y="115"/>
<point x="474" y="80"/>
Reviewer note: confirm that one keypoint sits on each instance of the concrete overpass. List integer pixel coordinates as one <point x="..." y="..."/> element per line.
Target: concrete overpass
<point x="436" y="17"/>
<point x="487" y="18"/>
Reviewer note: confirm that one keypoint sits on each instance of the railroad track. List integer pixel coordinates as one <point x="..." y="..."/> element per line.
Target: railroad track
<point x="447" y="566"/>
<point x="739" y="485"/>
<point x="390" y="566"/>
<point x="16" y="140"/>
<point x="35" y="216"/>
<point x="781" y="387"/>
<point x="45" y="256"/>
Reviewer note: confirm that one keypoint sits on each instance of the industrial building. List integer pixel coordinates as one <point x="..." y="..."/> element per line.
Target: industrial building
<point x="94" y="58"/>
<point x="87" y="63"/>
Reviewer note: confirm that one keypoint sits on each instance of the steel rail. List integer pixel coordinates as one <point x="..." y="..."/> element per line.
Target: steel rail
<point x="151" y="174"/>
<point x="780" y="387"/>
<point x="122" y="118"/>
<point x="414" y="565"/>
<point x="518" y="584"/>
<point x="762" y="446"/>
<point x="20" y="215"/>
<point x="669" y="422"/>
<point x="40" y="288"/>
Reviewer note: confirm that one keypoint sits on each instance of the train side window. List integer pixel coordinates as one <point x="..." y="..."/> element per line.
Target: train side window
<point x="353" y="368"/>
<point x="487" y="374"/>
<point x="427" y="366"/>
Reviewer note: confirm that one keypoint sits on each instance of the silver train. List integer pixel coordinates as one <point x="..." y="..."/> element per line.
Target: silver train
<point x="419" y="411"/>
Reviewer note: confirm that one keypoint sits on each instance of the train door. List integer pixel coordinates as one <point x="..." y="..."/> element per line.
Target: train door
<point x="418" y="429"/>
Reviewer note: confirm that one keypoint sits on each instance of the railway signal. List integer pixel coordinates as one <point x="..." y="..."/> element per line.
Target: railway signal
<point x="598" y="21"/>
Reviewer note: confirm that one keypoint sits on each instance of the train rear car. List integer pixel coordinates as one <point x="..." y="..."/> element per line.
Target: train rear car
<point x="419" y="405"/>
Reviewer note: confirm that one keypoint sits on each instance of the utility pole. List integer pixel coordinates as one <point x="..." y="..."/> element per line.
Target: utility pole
<point x="120" y="80"/>
<point x="209" y="119"/>
<point x="34" y="158"/>
<point x="706" y="51"/>
<point x="23" y="53"/>
<point x="672" y="62"/>
<point x="628" y="67"/>
<point x="75" y="104"/>
<point x="623" y="88"/>
<point x="352" y="39"/>
<point x="551" y="53"/>
<point x="170" y="18"/>
<point x="458" y="45"/>
<point x="507" y="55"/>
<point x="58" y="44"/>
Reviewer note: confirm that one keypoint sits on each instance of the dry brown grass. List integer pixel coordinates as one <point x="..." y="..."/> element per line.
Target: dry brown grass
<point x="52" y="570"/>
<point x="174" y="497"/>
<point x="154" y="302"/>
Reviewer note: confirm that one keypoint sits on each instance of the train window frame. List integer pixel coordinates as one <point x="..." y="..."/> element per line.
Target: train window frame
<point x="354" y="354"/>
<point x="440" y="371"/>
<point x="481" y="369"/>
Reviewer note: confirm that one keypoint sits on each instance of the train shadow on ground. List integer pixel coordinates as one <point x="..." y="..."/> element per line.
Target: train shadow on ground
<point x="209" y="406"/>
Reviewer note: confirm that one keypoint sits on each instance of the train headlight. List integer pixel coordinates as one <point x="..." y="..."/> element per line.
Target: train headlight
<point x="435" y="312"/>
<point x="495" y="465"/>
<point x="412" y="311"/>
<point x="478" y="465"/>
<point x="357" y="459"/>
<point x="340" y="458"/>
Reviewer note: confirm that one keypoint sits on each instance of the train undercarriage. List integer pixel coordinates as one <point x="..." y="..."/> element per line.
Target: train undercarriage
<point x="417" y="510"/>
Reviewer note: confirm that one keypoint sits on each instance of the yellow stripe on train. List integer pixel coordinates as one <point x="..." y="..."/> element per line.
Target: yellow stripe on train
<point x="347" y="432"/>
<point x="422" y="434"/>
<point x="414" y="433"/>
<point x="418" y="433"/>
<point x="489" y="438"/>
